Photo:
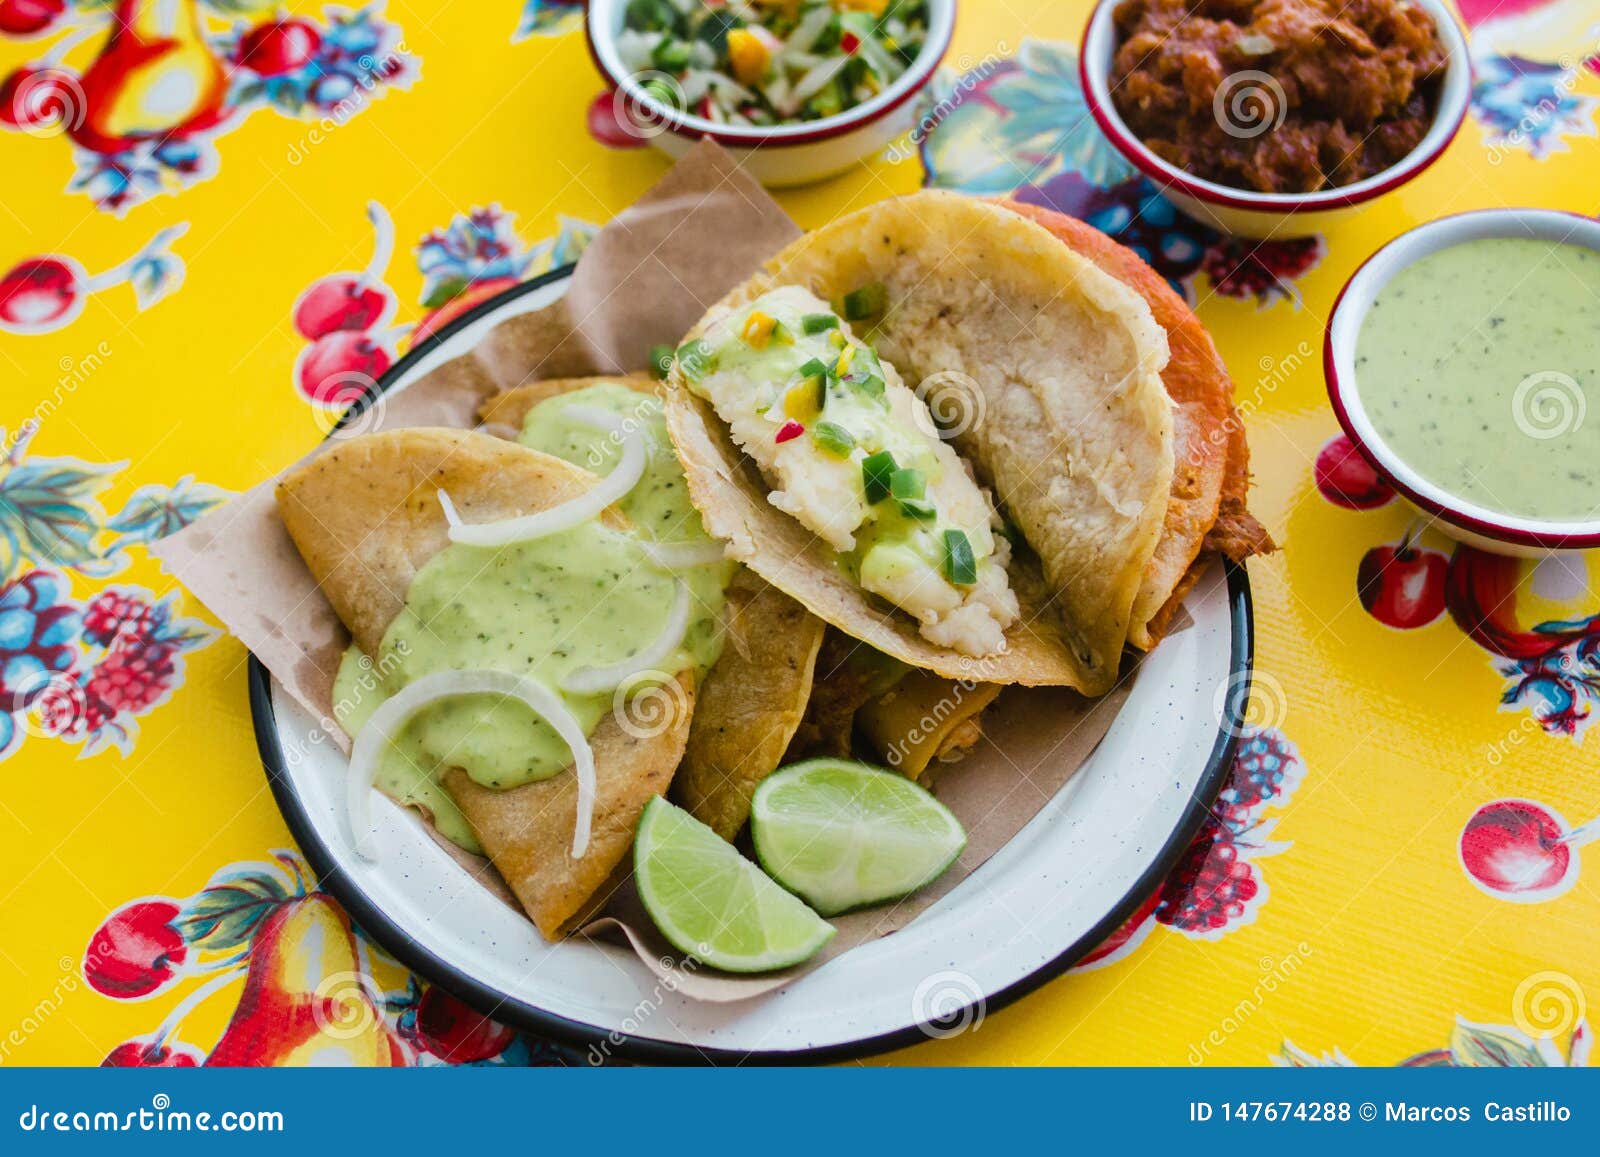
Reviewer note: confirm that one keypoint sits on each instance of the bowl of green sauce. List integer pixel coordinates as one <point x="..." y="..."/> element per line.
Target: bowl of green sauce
<point x="1463" y="361"/>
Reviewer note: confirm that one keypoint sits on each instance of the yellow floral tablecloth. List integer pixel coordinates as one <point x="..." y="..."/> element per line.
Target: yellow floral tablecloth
<point x="1394" y="870"/>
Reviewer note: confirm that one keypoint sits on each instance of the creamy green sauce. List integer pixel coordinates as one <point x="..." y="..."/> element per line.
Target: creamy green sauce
<point x="584" y="597"/>
<point x="1476" y="364"/>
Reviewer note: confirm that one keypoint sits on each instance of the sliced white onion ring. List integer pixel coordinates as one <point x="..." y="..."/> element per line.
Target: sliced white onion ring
<point x="392" y="715"/>
<point x="594" y="680"/>
<point x="682" y="555"/>
<point x="569" y="514"/>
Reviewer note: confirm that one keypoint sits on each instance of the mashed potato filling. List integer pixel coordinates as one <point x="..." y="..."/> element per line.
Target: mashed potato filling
<point x="853" y="455"/>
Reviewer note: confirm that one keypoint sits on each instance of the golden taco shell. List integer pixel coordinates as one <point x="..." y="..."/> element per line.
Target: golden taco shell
<point x="1055" y="366"/>
<point x="1210" y="454"/>
<point x="923" y="718"/>
<point x="365" y="517"/>
<point x="748" y="705"/>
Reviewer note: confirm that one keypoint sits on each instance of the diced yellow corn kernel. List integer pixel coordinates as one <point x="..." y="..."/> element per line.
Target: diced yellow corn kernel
<point x="837" y="338"/>
<point x="875" y="7"/>
<point x="800" y="400"/>
<point x="747" y="56"/>
<point x="758" y="329"/>
<point x="842" y="367"/>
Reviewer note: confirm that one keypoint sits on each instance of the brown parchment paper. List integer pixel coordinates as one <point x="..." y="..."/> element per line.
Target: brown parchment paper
<point x="645" y="279"/>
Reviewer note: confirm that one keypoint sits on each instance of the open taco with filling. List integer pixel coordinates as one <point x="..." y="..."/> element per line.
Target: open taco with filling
<point x="1060" y="379"/>
<point x="948" y="427"/>
<point x="800" y="409"/>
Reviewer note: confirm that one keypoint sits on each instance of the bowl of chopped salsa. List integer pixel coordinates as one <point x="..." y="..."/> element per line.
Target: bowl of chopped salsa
<point x="1461" y="361"/>
<point x="798" y="90"/>
<point x="1275" y="118"/>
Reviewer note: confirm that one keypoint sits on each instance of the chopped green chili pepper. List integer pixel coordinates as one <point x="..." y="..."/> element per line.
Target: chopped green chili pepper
<point x="696" y="359"/>
<point x="960" y="567"/>
<point x="907" y="483"/>
<point x="815" y="368"/>
<point x="660" y="361"/>
<point x="868" y="301"/>
<point x="814" y="323"/>
<point x="876" y="470"/>
<point x="834" y="438"/>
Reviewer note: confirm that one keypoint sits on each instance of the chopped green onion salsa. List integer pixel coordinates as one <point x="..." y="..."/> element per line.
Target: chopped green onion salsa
<point x="745" y="62"/>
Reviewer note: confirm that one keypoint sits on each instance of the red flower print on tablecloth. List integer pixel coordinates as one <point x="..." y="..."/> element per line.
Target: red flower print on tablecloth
<point x="308" y="986"/>
<point x="347" y="318"/>
<point x="41" y="294"/>
<point x="1218" y="886"/>
<point x="142" y="89"/>
<point x="1551" y="666"/>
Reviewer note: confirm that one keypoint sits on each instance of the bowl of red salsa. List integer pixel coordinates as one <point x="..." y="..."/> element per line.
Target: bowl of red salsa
<point x="1276" y="118"/>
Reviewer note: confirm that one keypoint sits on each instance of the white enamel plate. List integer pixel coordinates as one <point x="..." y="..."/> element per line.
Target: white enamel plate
<point x="1074" y="873"/>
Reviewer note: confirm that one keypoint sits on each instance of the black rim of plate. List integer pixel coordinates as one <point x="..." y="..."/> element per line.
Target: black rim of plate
<point x="509" y="1010"/>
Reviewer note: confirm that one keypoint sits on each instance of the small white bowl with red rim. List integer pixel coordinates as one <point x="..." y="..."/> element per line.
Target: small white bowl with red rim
<point x="1465" y="521"/>
<point x="779" y="155"/>
<point x="1245" y="212"/>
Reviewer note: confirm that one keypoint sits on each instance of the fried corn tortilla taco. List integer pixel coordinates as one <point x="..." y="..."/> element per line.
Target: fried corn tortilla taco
<point x="495" y="774"/>
<point x="809" y="454"/>
<point x="750" y="703"/>
<point x="1205" y="512"/>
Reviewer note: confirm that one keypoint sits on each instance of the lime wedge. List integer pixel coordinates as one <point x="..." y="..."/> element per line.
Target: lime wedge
<point x="843" y="835"/>
<point x="712" y="903"/>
